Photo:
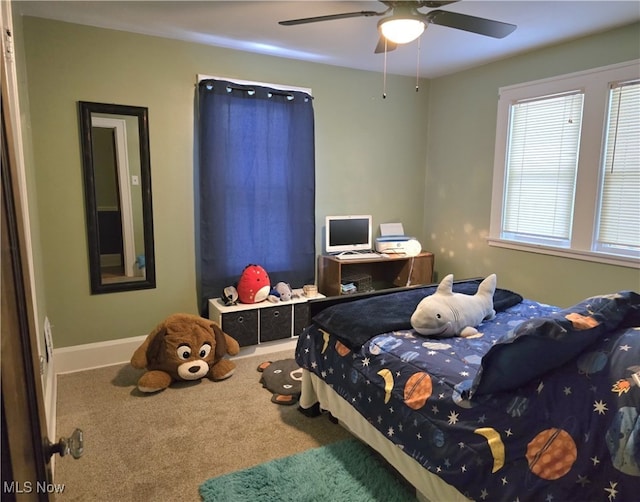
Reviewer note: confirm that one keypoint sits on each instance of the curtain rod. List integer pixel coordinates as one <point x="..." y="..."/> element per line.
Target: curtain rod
<point x="251" y="91"/>
<point x="271" y="92"/>
<point x="233" y="80"/>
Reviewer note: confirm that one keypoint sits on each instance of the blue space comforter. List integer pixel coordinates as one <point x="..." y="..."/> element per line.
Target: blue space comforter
<point x="542" y="405"/>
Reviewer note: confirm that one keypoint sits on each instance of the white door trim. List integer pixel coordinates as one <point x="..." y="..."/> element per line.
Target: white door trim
<point x="119" y="127"/>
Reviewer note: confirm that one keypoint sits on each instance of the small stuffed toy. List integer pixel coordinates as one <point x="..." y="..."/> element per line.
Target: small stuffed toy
<point x="229" y="295"/>
<point x="446" y="313"/>
<point x="184" y="347"/>
<point x="281" y="292"/>
<point x="254" y="284"/>
<point x="284" y="380"/>
<point x="284" y="291"/>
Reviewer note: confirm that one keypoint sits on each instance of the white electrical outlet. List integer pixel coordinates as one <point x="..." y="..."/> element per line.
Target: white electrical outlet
<point x="48" y="339"/>
<point x="135" y="180"/>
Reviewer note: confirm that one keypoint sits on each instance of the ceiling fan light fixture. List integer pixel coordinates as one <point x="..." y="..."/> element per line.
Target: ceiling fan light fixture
<point x="401" y="29"/>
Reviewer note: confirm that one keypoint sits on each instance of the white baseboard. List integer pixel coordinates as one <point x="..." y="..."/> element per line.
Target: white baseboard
<point x="97" y="355"/>
<point x="266" y="348"/>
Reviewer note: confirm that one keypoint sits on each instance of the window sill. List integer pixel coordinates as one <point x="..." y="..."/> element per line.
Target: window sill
<point x="567" y="253"/>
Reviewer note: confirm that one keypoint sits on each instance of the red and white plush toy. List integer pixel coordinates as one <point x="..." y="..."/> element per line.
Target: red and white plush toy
<point x="254" y="284"/>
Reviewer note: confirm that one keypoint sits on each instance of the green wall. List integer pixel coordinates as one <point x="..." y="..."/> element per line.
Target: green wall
<point x="425" y="159"/>
<point x="370" y="157"/>
<point x="461" y="140"/>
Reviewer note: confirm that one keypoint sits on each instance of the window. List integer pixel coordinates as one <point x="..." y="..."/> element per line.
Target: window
<point x="567" y="166"/>
<point x="542" y="162"/>
<point x="619" y="211"/>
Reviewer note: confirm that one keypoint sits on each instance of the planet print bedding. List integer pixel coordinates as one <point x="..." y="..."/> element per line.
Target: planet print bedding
<point x="542" y="404"/>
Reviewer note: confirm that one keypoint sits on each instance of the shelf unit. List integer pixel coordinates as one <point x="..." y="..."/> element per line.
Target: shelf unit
<point x="255" y="323"/>
<point x="389" y="272"/>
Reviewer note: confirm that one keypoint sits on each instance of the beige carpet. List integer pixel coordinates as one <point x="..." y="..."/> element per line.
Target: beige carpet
<point x="161" y="446"/>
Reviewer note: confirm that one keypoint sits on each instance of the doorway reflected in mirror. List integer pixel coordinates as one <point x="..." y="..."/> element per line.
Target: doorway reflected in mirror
<point x="117" y="177"/>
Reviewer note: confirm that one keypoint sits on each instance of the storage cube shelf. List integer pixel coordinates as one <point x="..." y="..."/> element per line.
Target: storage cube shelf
<point x="252" y="324"/>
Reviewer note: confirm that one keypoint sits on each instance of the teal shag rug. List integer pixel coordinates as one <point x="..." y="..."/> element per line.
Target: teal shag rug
<point x="343" y="471"/>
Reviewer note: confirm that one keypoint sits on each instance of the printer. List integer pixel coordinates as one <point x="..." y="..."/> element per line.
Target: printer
<point x="393" y="241"/>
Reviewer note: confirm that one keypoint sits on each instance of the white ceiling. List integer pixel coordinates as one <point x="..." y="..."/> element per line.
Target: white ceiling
<point x="253" y="26"/>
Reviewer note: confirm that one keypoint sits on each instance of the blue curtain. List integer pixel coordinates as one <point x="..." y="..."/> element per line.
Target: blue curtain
<point x="255" y="185"/>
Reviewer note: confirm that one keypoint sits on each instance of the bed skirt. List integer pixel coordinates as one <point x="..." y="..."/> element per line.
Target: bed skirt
<point x="429" y="487"/>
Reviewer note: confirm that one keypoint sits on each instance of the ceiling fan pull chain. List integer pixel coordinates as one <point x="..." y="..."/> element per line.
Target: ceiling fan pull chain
<point x="384" y="72"/>
<point x="418" y="67"/>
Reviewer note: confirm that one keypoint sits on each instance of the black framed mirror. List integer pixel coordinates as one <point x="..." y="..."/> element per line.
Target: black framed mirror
<point x="117" y="186"/>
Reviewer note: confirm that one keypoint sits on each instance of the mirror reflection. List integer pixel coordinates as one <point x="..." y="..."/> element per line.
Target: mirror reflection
<point x="115" y="146"/>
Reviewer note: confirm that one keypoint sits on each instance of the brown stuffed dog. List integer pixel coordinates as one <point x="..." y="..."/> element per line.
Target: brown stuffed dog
<point x="184" y="347"/>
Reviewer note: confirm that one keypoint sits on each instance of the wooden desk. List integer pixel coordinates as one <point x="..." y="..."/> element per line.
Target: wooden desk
<point x="391" y="272"/>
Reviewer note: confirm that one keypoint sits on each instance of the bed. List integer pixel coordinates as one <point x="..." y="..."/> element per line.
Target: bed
<point x="542" y="404"/>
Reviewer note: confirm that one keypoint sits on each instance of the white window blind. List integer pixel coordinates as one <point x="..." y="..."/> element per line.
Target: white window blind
<point x="542" y="162"/>
<point x="619" y="221"/>
<point x="566" y="178"/>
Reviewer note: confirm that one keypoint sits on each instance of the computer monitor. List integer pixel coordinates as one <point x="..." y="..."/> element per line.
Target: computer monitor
<point x="348" y="233"/>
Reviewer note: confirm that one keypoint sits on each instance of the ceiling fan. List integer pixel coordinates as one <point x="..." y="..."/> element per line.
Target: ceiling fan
<point x="406" y="23"/>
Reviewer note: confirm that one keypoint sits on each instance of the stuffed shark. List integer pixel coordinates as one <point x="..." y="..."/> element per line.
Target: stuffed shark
<point x="446" y="313"/>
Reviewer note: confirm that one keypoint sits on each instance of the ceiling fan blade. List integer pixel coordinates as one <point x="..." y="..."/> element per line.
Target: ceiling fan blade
<point x="380" y="47"/>
<point x="436" y="3"/>
<point x="331" y="17"/>
<point x="482" y="26"/>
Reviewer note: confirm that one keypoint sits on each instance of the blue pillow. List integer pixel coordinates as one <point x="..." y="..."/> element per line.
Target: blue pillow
<point x="541" y="344"/>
